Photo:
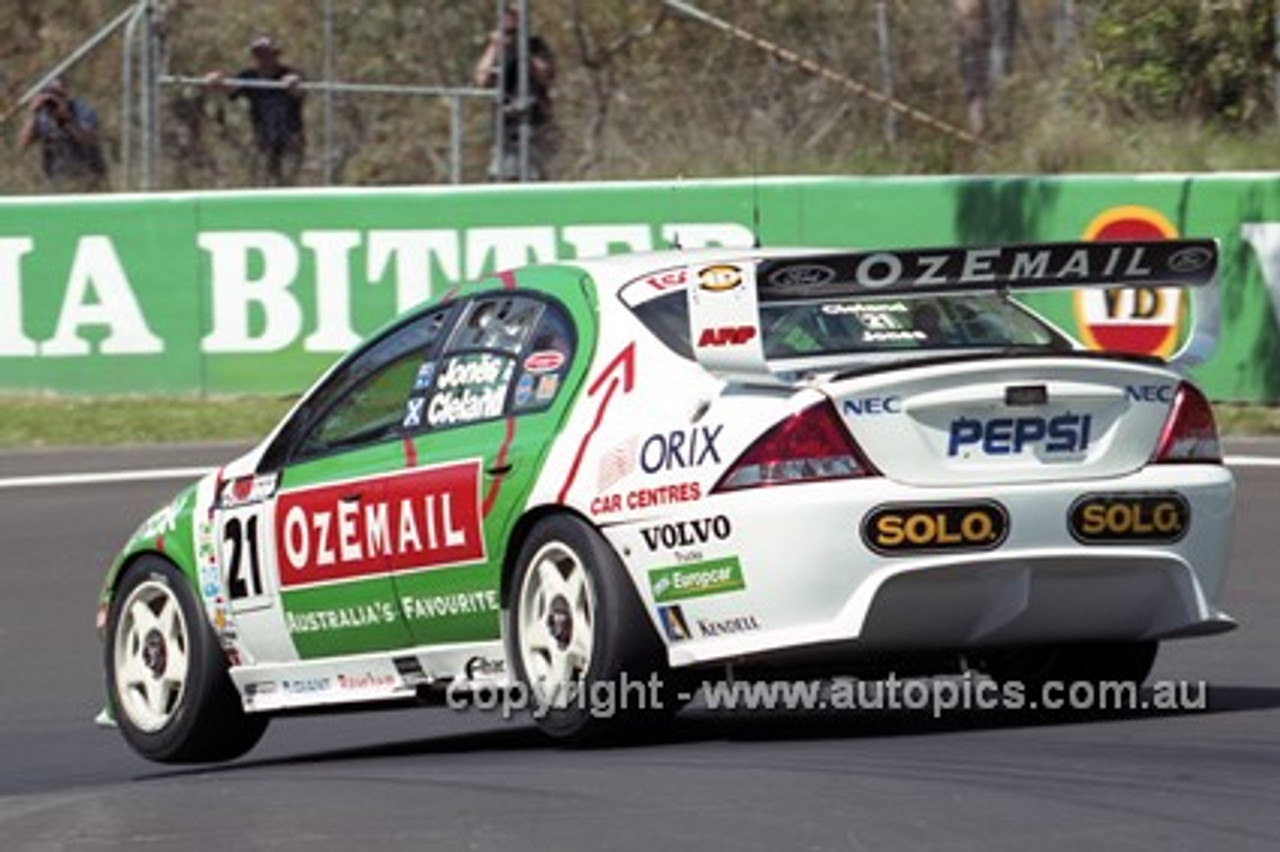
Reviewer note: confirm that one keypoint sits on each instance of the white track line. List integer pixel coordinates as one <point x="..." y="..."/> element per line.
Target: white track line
<point x="115" y="476"/>
<point x="1252" y="461"/>
<point x="105" y="478"/>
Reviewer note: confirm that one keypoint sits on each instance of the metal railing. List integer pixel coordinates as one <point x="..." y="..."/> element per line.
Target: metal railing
<point x="142" y="78"/>
<point x="453" y="96"/>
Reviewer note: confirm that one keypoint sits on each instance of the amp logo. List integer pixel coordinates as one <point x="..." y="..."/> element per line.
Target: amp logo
<point x="735" y="335"/>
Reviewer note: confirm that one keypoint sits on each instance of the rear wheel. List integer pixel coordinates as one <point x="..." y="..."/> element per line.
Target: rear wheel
<point x="579" y="638"/>
<point x="166" y="676"/>
<point x="1123" y="662"/>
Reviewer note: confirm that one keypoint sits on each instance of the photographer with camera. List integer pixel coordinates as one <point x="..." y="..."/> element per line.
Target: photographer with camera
<point x="67" y="130"/>
<point x="499" y="64"/>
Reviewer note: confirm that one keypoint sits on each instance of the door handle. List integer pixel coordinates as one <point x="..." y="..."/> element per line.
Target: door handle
<point x="499" y="470"/>
<point x="351" y="498"/>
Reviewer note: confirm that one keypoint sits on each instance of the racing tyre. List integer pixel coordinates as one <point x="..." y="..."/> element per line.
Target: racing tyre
<point x="1124" y="662"/>
<point x="586" y="656"/>
<point x="166" y="676"/>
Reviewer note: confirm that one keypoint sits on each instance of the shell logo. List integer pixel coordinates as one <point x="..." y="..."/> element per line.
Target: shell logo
<point x="1141" y="320"/>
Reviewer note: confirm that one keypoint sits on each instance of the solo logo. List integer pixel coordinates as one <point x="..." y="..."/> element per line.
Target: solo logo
<point x="904" y="529"/>
<point x="1118" y="518"/>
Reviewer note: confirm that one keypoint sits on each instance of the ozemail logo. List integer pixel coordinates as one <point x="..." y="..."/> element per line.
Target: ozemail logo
<point x="1141" y="320"/>
<point x="425" y="518"/>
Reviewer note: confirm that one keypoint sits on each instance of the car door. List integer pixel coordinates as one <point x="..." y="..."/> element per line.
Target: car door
<point x="494" y="403"/>
<point x="315" y="580"/>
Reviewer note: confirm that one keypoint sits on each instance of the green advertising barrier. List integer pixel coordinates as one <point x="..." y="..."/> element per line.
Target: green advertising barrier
<point x="258" y="292"/>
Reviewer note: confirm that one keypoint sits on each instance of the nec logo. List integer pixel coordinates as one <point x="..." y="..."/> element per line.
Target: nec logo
<point x="1149" y="393"/>
<point x="734" y="335"/>
<point x="1005" y="436"/>
<point x="872" y="405"/>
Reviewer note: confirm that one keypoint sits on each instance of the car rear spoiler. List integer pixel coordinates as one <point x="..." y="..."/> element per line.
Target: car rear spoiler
<point x="725" y="298"/>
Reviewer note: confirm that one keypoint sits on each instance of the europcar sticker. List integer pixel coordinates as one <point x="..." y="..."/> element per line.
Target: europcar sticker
<point x="1126" y="518"/>
<point x="697" y="579"/>
<point x="905" y="529"/>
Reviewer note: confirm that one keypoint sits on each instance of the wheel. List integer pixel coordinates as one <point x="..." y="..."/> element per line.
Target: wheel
<point x="580" y="641"/>
<point x="166" y="676"/>
<point x="1124" y="662"/>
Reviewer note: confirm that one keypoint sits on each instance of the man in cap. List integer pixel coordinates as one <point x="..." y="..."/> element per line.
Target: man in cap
<point x="275" y="111"/>
<point x="67" y="130"/>
<point x="499" y="64"/>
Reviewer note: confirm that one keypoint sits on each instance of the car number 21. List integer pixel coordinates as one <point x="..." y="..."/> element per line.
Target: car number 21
<point x="241" y="539"/>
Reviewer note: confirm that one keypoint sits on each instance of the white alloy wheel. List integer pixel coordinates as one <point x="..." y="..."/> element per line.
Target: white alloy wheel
<point x="556" y="611"/>
<point x="152" y="662"/>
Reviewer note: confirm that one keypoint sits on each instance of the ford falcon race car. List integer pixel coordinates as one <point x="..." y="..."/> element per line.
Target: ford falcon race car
<point x="662" y="465"/>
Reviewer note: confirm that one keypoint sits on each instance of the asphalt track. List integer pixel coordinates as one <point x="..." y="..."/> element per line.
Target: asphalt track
<point x="441" y="780"/>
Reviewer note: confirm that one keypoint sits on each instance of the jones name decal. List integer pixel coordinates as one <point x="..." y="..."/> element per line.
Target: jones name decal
<point x="426" y="518"/>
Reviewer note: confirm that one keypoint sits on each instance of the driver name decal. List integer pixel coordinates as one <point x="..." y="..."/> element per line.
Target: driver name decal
<point x="424" y="518"/>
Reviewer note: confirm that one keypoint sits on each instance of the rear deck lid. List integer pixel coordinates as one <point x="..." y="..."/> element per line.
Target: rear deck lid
<point x="1007" y="420"/>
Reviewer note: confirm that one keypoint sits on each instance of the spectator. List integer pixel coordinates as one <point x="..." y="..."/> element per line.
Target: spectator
<point x="67" y="130"/>
<point x="500" y="63"/>
<point x="275" y="111"/>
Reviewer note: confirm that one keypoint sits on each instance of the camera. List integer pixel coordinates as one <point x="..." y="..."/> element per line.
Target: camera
<point x="51" y="104"/>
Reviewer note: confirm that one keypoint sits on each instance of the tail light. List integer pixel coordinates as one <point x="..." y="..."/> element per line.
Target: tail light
<point x="1190" y="433"/>
<point x="810" y="446"/>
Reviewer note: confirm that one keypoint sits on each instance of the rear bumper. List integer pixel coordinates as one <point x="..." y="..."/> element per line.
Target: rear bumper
<point x="1029" y="599"/>
<point x="809" y="579"/>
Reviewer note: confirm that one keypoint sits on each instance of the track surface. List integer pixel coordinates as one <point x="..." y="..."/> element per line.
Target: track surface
<point x="438" y="780"/>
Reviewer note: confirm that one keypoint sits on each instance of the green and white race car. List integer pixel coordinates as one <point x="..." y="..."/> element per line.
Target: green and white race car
<point x="655" y="466"/>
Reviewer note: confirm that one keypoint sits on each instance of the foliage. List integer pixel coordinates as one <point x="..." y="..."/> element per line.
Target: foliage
<point x="1207" y="60"/>
<point x="644" y="91"/>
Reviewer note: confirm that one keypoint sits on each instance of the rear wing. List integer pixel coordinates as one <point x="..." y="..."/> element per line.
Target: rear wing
<point x="725" y="298"/>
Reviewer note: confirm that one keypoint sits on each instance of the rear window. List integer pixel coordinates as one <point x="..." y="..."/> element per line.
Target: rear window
<point x="924" y="323"/>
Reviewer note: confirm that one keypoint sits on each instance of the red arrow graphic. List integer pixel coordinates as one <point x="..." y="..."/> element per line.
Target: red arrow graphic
<point x="624" y="361"/>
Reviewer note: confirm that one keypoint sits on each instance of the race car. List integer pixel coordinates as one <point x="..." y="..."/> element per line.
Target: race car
<point x="676" y="464"/>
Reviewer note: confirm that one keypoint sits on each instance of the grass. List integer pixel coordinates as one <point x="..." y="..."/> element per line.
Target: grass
<point x="50" y="421"/>
<point x="1241" y="419"/>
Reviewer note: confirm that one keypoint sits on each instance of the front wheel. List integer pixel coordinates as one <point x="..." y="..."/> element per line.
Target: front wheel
<point x="581" y="644"/>
<point x="166" y="676"/>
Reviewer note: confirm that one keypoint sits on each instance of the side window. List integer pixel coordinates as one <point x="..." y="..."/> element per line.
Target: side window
<point x="545" y="362"/>
<point x="507" y="355"/>
<point x="365" y="401"/>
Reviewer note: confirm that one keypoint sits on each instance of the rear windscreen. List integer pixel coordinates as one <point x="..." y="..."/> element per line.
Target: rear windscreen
<point x="926" y="323"/>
